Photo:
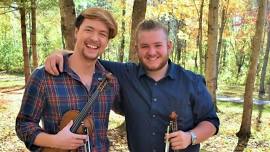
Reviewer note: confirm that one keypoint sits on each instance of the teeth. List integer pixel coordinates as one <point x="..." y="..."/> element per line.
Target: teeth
<point x="91" y="46"/>
<point x="152" y="59"/>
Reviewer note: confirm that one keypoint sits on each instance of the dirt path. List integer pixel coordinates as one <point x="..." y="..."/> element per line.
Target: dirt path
<point x="9" y="106"/>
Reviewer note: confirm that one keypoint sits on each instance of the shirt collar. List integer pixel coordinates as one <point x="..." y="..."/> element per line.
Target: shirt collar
<point x="171" y="73"/>
<point x="66" y="67"/>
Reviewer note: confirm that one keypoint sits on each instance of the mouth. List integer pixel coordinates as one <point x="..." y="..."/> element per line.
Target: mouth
<point x="92" y="46"/>
<point x="152" y="58"/>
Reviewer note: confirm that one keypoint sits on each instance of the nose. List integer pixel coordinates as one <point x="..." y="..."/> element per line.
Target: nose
<point x="94" y="36"/>
<point x="151" y="51"/>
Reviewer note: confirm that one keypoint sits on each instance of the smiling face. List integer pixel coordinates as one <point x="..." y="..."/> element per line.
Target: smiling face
<point x="153" y="48"/>
<point x="91" y="39"/>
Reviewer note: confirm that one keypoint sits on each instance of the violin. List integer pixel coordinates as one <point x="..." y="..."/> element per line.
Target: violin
<point x="172" y="127"/>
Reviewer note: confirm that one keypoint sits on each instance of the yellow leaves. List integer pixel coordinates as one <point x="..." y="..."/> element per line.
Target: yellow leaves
<point x="176" y="8"/>
<point x="182" y="35"/>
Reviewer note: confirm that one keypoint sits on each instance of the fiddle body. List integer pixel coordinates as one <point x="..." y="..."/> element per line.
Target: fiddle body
<point x="72" y="115"/>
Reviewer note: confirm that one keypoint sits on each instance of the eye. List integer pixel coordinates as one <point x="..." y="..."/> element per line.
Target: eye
<point x="144" y="46"/>
<point x="88" y="30"/>
<point x="105" y="35"/>
<point x="158" y="45"/>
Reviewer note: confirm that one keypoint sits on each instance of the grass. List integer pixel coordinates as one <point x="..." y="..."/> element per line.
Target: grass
<point x="230" y="121"/>
<point x="11" y="80"/>
<point x="238" y="91"/>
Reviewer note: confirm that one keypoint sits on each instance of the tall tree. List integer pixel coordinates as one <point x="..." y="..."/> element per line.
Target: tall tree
<point x="265" y="62"/>
<point x="67" y="12"/>
<point x="200" y="35"/>
<point x="138" y="14"/>
<point x="221" y="30"/>
<point x="33" y="34"/>
<point x="210" y="70"/>
<point x="123" y="29"/>
<point x="24" y="42"/>
<point x="179" y="43"/>
<point x="244" y="132"/>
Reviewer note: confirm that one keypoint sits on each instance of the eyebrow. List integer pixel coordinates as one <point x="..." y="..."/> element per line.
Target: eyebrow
<point x="152" y="43"/>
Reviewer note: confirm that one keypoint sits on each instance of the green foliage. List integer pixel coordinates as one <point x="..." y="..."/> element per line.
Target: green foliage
<point x="10" y="52"/>
<point x="11" y="57"/>
<point x="48" y="35"/>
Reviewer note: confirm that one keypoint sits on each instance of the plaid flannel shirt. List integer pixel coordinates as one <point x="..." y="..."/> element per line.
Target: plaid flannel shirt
<point x="48" y="98"/>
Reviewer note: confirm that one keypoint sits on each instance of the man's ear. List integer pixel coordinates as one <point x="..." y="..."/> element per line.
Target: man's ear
<point x="170" y="46"/>
<point x="136" y="48"/>
<point x="75" y="33"/>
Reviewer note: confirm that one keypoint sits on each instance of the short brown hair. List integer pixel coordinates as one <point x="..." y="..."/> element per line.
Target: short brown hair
<point x="99" y="14"/>
<point x="148" y="25"/>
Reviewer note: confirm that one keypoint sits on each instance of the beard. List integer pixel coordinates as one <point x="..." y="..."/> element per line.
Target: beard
<point x="159" y="66"/>
<point x="90" y="55"/>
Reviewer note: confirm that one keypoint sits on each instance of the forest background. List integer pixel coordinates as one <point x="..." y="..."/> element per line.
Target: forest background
<point x="226" y="40"/>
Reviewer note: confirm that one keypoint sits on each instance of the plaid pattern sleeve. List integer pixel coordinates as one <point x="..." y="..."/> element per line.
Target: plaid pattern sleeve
<point x="27" y="122"/>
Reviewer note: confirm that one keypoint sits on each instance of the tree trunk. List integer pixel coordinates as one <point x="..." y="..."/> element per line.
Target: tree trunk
<point x="122" y="47"/>
<point x="138" y="14"/>
<point x="33" y="34"/>
<point x="265" y="63"/>
<point x="221" y="29"/>
<point x="200" y="37"/>
<point x="244" y="132"/>
<point x="210" y="70"/>
<point x="67" y="12"/>
<point x="184" y="53"/>
<point x="178" y="48"/>
<point x="24" y="44"/>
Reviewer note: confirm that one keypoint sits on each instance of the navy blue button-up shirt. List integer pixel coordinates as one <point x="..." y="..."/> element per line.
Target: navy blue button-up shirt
<point x="147" y="104"/>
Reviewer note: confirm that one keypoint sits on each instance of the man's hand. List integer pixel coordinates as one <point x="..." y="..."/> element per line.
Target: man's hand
<point x="65" y="139"/>
<point x="179" y="139"/>
<point x="54" y="60"/>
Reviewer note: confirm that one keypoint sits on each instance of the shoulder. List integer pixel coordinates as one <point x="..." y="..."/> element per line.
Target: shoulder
<point x="38" y="74"/>
<point x="117" y="64"/>
<point x="36" y="82"/>
<point x="187" y="74"/>
<point x="117" y="68"/>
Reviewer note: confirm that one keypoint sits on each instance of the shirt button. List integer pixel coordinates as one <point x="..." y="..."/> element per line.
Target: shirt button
<point x="153" y="116"/>
<point x="156" y="84"/>
<point x="153" y="133"/>
<point x="155" y="99"/>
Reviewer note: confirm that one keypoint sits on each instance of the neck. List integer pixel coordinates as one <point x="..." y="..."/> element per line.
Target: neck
<point x="157" y="74"/>
<point x="81" y="65"/>
<point x="84" y="69"/>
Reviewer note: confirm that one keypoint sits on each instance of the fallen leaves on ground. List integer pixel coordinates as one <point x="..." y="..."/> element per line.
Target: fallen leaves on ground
<point x="225" y="141"/>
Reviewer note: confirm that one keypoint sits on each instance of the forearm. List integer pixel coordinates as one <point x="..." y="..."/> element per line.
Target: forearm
<point x="203" y="131"/>
<point x="27" y="132"/>
<point x="45" y="140"/>
<point x="65" y="52"/>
